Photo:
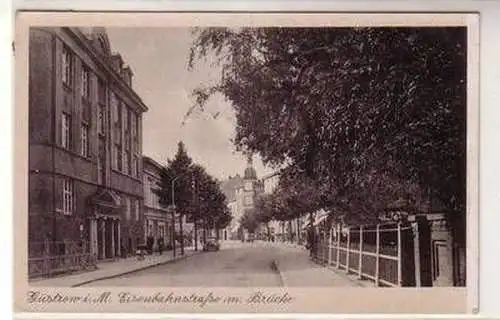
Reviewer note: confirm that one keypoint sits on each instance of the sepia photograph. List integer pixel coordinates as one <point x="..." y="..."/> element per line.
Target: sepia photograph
<point x="246" y="156"/>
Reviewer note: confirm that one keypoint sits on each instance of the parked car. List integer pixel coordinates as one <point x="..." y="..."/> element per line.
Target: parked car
<point x="211" y="245"/>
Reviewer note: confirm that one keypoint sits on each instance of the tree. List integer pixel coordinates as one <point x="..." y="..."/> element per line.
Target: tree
<point x="210" y="202"/>
<point x="346" y="105"/>
<point x="178" y="175"/>
<point x="249" y="221"/>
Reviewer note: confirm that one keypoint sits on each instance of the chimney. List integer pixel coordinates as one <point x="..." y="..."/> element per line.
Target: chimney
<point x="116" y="62"/>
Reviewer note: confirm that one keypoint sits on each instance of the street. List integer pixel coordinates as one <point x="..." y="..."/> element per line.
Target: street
<point x="235" y="265"/>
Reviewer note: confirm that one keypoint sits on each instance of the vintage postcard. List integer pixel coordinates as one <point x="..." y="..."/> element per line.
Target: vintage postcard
<point x="246" y="162"/>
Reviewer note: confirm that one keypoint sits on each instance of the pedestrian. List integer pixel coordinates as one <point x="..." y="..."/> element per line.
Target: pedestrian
<point x="310" y="242"/>
<point x="315" y="244"/>
<point x="160" y="246"/>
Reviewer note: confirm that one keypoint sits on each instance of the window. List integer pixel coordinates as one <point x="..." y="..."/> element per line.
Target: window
<point x="67" y="196"/>
<point x="125" y="163"/>
<point x="100" y="172"/>
<point x="66" y="131"/>
<point x="129" y="163"/>
<point x="136" y="138"/>
<point x="248" y="185"/>
<point x="136" y="166"/>
<point x="101" y="123"/>
<point x="248" y="200"/>
<point x="137" y="210"/>
<point x="67" y="67"/>
<point x="127" y="129"/>
<point x="101" y="92"/>
<point x="161" y="230"/>
<point x="101" y="160"/>
<point x="118" y="154"/>
<point x="85" y="83"/>
<point x="127" y="208"/>
<point x="84" y="135"/>
<point x="133" y="127"/>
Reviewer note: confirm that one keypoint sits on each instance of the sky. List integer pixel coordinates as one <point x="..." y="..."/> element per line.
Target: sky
<point x="158" y="58"/>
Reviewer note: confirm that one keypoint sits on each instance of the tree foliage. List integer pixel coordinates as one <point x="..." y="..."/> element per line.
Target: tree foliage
<point x="177" y="175"/>
<point x="196" y="193"/>
<point x="348" y="108"/>
<point x="249" y="221"/>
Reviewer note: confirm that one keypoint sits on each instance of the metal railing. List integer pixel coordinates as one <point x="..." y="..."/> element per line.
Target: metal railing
<point x="47" y="259"/>
<point x="371" y="252"/>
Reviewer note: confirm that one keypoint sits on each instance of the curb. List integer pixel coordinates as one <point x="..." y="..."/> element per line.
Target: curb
<point x="134" y="270"/>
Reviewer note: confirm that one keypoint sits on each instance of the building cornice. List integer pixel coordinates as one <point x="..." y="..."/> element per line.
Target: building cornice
<point x="152" y="162"/>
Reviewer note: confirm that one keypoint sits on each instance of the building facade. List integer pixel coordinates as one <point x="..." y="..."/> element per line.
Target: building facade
<point x="85" y="146"/>
<point x="242" y="194"/>
<point x="157" y="219"/>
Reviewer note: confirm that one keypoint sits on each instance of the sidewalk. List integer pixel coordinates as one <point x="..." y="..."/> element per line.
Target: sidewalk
<point x="107" y="270"/>
<point x="297" y="270"/>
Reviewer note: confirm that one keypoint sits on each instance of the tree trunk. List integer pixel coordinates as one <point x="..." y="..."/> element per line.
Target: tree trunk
<point x="268" y="232"/>
<point x="298" y="230"/>
<point x="311" y="235"/>
<point x="182" y="234"/>
<point x="173" y="234"/>
<point x="204" y="231"/>
<point x="195" y="235"/>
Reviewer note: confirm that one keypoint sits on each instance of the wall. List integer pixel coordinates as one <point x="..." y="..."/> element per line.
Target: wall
<point x="48" y="161"/>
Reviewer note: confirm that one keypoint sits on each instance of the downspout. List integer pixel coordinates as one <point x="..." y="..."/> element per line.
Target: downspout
<point x="54" y="140"/>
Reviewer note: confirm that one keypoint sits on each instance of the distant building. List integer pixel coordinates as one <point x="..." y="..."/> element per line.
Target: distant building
<point x="85" y="146"/>
<point x="242" y="193"/>
<point x="270" y="182"/>
<point x="157" y="220"/>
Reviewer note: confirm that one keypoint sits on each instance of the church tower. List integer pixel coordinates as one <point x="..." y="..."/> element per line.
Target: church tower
<point x="249" y="179"/>
<point x="250" y="173"/>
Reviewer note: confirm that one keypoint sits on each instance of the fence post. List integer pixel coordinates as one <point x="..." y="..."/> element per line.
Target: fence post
<point x="330" y="246"/>
<point x="325" y="239"/>
<point x="338" y="246"/>
<point x="377" y="256"/>
<point x="360" y="263"/>
<point x="400" y="265"/>
<point x="348" y="249"/>
<point x="416" y="247"/>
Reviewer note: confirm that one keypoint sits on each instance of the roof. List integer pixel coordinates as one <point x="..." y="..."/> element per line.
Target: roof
<point x="151" y="161"/>
<point x="95" y="40"/>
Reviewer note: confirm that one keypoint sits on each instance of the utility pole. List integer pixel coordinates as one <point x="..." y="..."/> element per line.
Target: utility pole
<point x="173" y="218"/>
<point x="197" y="200"/>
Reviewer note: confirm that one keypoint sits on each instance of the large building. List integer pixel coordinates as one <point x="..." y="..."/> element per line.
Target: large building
<point x="157" y="220"/>
<point x="85" y="146"/>
<point x="242" y="193"/>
